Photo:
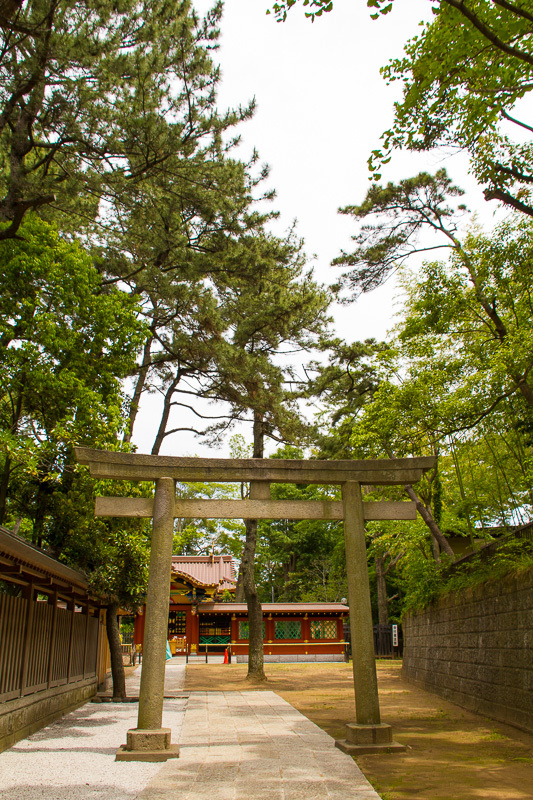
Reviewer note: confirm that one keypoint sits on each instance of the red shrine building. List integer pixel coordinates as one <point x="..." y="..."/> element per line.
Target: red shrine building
<point x="203" y="618"/>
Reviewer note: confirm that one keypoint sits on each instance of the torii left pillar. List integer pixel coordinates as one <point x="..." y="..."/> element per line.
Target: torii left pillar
<point x="149" y="741"/>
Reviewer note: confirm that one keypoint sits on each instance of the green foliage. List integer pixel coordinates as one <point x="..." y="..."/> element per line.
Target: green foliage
<point x="203" y="536"/>
<point x="281" y="9"/>
<point x="394" y="218"/>
<point x="463" y="79"/>
<point x="343" y="386"/>
<point x="456" y="384"/>
<point x="280" y="309"/>
<point x="97" y="99"/>
<point x="300" y="559"/>
<point x="64" y="345"/>
<point x="513" y="555"/>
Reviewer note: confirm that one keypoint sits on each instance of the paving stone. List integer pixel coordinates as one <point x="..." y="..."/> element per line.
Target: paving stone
<point x="255" y="746"/>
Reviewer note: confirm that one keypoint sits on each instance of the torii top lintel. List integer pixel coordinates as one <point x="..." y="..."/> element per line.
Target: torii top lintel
<point x="138" y="467"/>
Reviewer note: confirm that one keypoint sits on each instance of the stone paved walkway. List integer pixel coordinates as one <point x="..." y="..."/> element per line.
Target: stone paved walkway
<point x="255" y="746"/>
<point x="234" y="746"/>
<point x="174" y="681"/>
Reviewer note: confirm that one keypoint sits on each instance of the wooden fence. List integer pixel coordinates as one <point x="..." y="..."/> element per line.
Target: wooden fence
<point x="44" y="645"/>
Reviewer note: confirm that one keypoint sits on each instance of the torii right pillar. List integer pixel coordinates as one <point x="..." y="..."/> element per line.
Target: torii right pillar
<point x="367" y="734"/>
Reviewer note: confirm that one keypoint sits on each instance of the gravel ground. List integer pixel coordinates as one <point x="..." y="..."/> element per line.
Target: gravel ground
<point x="74" y="758"/>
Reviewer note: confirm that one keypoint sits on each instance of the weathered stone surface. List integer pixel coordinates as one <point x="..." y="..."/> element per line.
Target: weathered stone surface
<point x="474" y="648"/>
<point x="135" y="466"/>
<point x="364" y="664"/>
<point x="138" y="739"/>
<point x="365" y="749"/>
<point x="123" y="754"/>
<point x="155" y="639"/>
<point x="361" y="739"/>
<point x="290" y="658"/>
<point x="251" y="509"/>
<point x="253" y="746"/>
<point x="368" y="734"/>
<point x="21" y="717"/>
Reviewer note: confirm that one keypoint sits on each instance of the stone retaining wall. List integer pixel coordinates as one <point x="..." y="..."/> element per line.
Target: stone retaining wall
<point x="291" y="658"/>
<point x="475" y="648"/>
<point x="26" y="715"/>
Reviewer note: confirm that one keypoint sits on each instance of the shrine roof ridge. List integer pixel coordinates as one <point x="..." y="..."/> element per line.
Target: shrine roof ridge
<point x="137" y="466"/>
<point x="271" y="608"/>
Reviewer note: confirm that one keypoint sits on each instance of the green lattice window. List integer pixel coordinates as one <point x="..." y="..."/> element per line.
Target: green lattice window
<point x="244" y="629"/>
<point x="288" y="629"/>
<point x="323" y="629"/>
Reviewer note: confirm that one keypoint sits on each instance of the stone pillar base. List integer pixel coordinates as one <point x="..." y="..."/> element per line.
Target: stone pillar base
<point x="361" y="739"/>
<point x="147" y="745"/>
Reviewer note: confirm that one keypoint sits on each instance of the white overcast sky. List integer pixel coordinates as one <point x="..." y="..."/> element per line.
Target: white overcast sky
<point x="321" y="107"/>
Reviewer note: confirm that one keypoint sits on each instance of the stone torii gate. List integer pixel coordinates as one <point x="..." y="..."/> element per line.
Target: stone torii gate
<point x="150" y="741"/>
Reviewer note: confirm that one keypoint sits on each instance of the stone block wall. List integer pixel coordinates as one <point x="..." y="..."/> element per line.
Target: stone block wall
<point x="23" y="716"/>
<point x="475" y="648"/>
<point x="291" y="658"/>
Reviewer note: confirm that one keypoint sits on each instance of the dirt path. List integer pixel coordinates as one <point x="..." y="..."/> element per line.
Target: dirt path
<point x="452" y="755"/>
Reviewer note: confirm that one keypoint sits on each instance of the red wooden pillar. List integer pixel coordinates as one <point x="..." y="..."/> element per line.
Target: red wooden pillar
<point x="306" y="629"/>
<point x="234" y="629"/>
<point x="138" y="628"/>
<point x="195" y="631"/>
<point x="269" y="629"/>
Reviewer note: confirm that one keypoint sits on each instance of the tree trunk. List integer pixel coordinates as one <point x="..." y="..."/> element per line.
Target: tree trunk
<point x="435" y="550"/>
<point x="161" y="433"/>
<point x="139" y="386"/>
<point x="117" y="666"/>
<point x="427" y="516"/>
<point x="256" y="672"/>
<point x="4" y="484"/>
<point x="6" y="473"/>
<point x="383" y="603"/>
<point x="239" y="589"/>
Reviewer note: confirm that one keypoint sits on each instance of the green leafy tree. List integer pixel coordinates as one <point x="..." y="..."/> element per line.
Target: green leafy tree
<point x="396" y="216"/>
<point x="65" y="344"/>
<point x="281" y="311"/>
<point x="341" y="388"/>
<point x="97" y="99"/>
<point x="205" y="536"/>
<point x="464" y="77"/>
<point x="298" y="560"/>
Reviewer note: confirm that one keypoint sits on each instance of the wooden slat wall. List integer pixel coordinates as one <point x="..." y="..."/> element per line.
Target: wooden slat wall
<point x="13" y="612"/>
<point x="39" y="653"/>
<point x="60" y="663"/>
<point x="78" y="646"/>
<point x="92" y="648"/>
<point x="38" y="674"/>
